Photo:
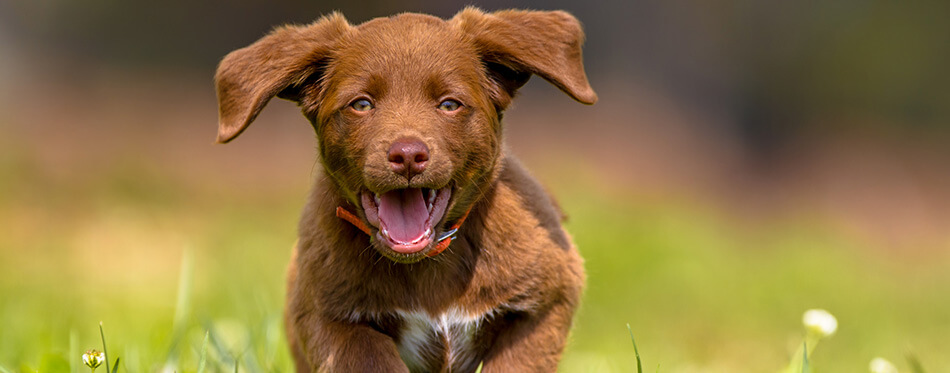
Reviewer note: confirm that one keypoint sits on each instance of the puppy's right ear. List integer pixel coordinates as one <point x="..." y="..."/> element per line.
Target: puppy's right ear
<point x="249" y="77"/>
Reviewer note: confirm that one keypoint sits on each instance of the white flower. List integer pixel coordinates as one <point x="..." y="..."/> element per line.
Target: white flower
<point x="881" y="365"/>
<point x="820" y="323"/>
<point x="93" y="358"/>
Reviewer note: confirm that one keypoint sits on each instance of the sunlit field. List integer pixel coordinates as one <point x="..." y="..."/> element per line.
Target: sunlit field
<point x="746" y="162"/>
<point x="162" y="261"/>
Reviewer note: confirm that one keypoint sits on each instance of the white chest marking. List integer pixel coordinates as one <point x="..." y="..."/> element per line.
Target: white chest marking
<point x="420" y="331"/>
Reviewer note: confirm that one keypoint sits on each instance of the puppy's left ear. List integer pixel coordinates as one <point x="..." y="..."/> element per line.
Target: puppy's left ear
<point x="250" y="77"/>
<point x="515" y="44"/>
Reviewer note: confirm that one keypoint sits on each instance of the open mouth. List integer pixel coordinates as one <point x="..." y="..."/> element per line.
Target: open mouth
<point x="405" y="218"/>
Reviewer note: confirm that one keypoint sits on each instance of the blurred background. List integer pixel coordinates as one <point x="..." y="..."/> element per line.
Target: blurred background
<point x="746" y="161"/>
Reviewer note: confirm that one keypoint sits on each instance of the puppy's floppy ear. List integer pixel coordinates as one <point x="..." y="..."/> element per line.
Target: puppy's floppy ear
<point x="249" y="77"/>
<point x="515" y="44"/>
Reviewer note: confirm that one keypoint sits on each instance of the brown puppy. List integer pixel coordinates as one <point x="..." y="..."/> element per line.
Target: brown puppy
<point x="407" y="111"/>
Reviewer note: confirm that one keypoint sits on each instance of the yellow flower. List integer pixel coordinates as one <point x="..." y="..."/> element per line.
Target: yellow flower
<point x="820" y="323"/>
<point x="93" y="358"/>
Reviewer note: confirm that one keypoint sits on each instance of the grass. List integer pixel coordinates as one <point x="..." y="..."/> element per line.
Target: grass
<point x="105" y="352"/>
<point x="187" y="276"/>
<point x="636" y="352"/>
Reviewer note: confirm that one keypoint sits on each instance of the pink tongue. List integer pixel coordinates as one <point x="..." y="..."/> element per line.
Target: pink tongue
<point x="403" y="212"/>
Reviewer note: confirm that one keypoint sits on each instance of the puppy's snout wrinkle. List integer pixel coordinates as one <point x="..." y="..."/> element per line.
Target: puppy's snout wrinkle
<point x="408" y="157"/>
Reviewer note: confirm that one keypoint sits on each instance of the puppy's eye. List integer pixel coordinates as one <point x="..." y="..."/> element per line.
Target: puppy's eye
<point x="449" y="105"/>
<point x="362" y="105"/>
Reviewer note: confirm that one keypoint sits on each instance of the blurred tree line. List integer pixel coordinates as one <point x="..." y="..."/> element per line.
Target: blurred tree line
<point x="770" y="70"/>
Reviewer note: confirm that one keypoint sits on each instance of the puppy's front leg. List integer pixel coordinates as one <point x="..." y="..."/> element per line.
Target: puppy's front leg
<point x="334" y="346"/>
<point x="532" y="342"/>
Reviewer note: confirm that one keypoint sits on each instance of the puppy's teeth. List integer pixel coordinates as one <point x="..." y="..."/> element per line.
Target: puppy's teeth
<point x="385" y="233"/>
<point x="376" y="198"/>
<point x="424" y="235"/>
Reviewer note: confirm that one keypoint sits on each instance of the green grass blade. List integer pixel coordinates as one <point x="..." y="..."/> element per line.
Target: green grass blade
<point x="74" y="351"/>
<point x="115" y="367"/>
<point x="4" y="369"/>
<point x="915" y="365"/>
<point x="183" y="298"/>
<point x="104" y="350"/>
<point x="224" y="355"/>
<point x="203" y="360"/>
<point x="805" y="367"/>
<point x="636" y="351"/>
<point x="182" y="307"/>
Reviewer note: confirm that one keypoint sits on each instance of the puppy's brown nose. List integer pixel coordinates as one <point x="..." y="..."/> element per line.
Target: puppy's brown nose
<point x="408" y="157"/>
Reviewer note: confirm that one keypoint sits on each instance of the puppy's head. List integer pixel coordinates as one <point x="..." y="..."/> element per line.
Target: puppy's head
<point x="407" y="109"/>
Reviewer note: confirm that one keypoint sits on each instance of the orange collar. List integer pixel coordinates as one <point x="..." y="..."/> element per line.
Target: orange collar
<point x="444" y="240"/>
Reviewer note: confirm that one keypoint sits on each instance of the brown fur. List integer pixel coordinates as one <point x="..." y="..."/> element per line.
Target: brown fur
<point x="512" y="269"/>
